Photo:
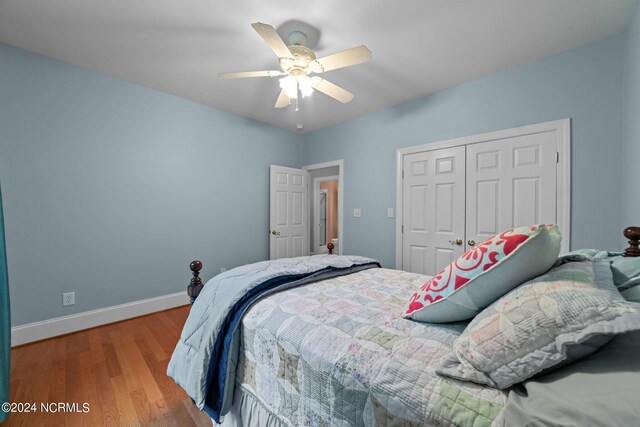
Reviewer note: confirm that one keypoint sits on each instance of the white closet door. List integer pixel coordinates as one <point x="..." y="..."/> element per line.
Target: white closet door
<point x="511" y="182"/>
<point x="433" y="209"/>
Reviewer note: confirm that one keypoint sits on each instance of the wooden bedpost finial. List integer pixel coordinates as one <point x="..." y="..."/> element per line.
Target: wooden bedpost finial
<point x="633" y="234"/>
<point x="195" y="266"/>
<point x="330" y="247"/>
<point x="195" y="286"/>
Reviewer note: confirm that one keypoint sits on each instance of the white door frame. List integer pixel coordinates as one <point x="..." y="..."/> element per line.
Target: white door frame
<point x="316" y="207"/>
<point x="340" y="164"/>
<point x="563" y="171"/>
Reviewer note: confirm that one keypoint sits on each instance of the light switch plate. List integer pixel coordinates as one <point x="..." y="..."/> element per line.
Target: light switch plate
<point x="357" y="213"/>
<point x="389" y="212"/>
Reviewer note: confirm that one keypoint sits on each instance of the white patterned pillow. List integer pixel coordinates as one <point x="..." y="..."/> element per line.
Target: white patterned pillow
<point x="485" y="273"/>
<point x="557" y="318"/>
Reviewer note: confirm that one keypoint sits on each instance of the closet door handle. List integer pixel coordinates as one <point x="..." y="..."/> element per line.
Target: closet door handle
<point x="471" y="242"/>
<point x="456" y="242"/>
<point x="275" y="232"/>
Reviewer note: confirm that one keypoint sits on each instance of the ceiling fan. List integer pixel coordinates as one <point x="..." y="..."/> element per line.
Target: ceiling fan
<point x="298" y="62"/>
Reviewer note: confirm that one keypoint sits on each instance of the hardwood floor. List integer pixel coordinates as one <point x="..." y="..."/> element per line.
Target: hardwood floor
<point x="118" y="369"/>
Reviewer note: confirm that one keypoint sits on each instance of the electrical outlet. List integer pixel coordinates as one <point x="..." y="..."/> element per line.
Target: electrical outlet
<point x="68" y="298"/>
<point x="223" y="269"/>
<point x="357" y="212"/>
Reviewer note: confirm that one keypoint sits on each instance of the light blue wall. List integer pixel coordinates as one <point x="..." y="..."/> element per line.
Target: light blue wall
<point x="111" y="189"/>
<point x="631" y="150"/>
<point x="584" y="84"/>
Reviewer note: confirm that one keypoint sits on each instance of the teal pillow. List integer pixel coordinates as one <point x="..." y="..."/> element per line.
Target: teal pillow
<point x="626" y="272"/>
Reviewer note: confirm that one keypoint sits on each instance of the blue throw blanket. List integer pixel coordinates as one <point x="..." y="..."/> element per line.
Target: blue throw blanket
<point x="206" y="356"/>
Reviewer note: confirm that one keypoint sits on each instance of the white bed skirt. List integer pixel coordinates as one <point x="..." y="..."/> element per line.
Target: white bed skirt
<point x="247" y="411"/>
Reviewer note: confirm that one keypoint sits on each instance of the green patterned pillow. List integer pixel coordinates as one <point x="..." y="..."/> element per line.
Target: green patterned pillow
<point x="548" y="322"/>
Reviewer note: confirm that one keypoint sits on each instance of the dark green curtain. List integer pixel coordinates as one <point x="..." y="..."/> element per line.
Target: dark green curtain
<point x="5" y="320"/>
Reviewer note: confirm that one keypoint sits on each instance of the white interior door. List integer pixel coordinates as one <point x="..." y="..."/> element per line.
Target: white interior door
<point x="433" y="209"/>
<point x="511" y="182"/>
<point x="288" y="204"/>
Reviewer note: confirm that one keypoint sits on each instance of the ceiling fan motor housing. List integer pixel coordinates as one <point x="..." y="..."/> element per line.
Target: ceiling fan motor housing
<point x="302" y="57"/>
<point x="297" y="38"/>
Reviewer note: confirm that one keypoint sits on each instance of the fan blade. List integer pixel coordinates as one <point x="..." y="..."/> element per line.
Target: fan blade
<point x="328" y="88"/>
<point x="271" y="37"/>
<point x="283" y="100"/>
<point x="353" y="56"/>
<point x="269" y="73"/>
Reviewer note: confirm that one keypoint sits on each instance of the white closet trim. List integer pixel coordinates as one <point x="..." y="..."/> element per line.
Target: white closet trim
<point x="563" y="171"/>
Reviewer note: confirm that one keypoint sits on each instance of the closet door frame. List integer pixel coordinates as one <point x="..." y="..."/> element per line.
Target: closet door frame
<point x="563" y="171"/>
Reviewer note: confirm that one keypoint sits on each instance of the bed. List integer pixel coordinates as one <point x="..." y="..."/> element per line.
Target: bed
<point x="319" y="341"/>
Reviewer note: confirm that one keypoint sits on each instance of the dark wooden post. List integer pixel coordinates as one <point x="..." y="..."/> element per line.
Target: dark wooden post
<point x="330" y="247"/>
<point x="633" y="234"/>
<point x="194" y="288"/>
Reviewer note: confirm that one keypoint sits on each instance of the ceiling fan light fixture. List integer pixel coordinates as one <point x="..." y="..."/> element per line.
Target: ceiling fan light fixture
<point x="290" y="86"/>
<point x="305" y="85"/>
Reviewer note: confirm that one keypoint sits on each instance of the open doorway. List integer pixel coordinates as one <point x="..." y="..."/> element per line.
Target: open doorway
<point x="324" y="215"/>
<point x="325" y="206"/>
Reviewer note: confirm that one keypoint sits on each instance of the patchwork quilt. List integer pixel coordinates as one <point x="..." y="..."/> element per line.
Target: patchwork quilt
<point x="339" y="353"/>
<point x="205" y="358"/>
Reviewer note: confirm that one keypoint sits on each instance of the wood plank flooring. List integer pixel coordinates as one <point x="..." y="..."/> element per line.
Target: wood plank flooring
<point x="118" y="369"/>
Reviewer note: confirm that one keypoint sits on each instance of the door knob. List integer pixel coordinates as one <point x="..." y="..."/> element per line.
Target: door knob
<point x="456" y="242"/>
<point x="471" y="242"/>
<point x="275" y="232"/>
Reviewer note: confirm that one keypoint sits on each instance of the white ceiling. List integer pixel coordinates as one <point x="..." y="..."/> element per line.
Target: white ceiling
<point x="419" y="46"/>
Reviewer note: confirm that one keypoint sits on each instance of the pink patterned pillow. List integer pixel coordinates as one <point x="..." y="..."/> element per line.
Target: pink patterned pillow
<point x="485" y="273"/>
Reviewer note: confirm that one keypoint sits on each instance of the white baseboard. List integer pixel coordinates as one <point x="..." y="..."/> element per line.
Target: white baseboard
<point x="63" y="325"/>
